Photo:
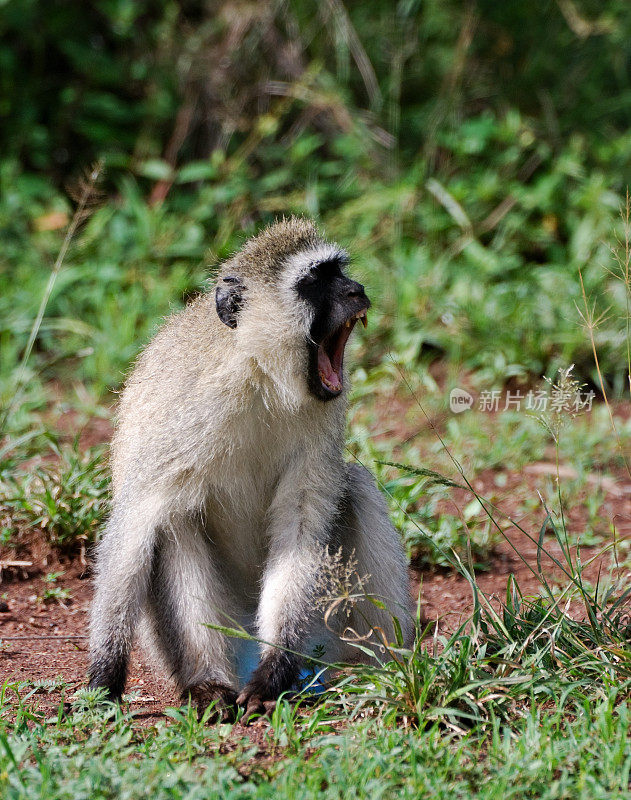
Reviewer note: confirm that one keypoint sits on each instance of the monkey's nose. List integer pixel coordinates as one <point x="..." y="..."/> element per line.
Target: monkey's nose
<point x="356" y="290"/>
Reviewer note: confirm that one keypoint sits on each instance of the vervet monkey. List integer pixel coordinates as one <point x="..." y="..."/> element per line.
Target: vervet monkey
<point x="229" y="482"/>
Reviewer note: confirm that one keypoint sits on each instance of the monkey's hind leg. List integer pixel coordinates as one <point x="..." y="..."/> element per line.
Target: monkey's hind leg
<point x="187" y="593"/>
<point x="369" y="538"/>
<point x="123" y="568"/>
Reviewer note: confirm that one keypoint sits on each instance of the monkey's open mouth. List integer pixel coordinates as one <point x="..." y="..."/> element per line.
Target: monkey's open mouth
<point x="331" y="354"/>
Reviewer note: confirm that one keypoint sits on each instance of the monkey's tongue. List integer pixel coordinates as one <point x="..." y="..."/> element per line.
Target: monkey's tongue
<point x="329" y="376"/>
<point x="331" y="356"/>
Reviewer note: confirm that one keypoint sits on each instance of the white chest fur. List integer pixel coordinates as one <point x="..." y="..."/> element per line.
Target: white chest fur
<point x="242" y="479"/>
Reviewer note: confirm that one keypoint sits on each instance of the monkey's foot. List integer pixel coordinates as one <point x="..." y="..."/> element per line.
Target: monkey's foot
<point x="112" y="694"/>
<point x="223" y="697"/>
<point x="108" y="672"/>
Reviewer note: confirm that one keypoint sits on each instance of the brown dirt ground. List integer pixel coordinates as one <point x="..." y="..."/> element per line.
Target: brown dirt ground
<point x="44" y="641"/>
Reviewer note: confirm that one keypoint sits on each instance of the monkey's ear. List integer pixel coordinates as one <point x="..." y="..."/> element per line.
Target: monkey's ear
<point x="229" y="299"/>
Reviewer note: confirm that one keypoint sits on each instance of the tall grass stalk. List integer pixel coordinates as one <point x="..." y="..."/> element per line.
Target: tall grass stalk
<point x="622" y="257"/>
<point x="86" y="193"/>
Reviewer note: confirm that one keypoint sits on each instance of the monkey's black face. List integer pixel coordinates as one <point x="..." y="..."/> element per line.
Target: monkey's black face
<point x="337" y="303"/>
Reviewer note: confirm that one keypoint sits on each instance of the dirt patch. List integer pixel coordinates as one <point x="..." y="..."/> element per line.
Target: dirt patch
<point x="46" y="640"/>
<point x="446" y="596"/>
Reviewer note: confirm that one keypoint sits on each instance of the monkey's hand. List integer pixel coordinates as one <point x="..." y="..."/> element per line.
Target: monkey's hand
<point x="276" y="673"/>
<point x="204" y="694"/>
<point x="251" y="699"/>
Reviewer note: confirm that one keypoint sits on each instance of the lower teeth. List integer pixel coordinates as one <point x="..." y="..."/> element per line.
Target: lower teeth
<point x="327" y="383"/>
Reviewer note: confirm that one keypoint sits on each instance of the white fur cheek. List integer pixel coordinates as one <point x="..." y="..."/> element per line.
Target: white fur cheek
<point x="299" y="264"/>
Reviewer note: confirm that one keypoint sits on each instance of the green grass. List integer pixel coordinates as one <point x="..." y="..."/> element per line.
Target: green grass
<point x="65" y="497"/>
<point x="523" y="700"/>
<point x="543" y="755"/>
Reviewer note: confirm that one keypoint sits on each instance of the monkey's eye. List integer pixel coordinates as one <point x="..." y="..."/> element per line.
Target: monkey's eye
<point x="319" y="272"/>
<point x="310" y="278"/>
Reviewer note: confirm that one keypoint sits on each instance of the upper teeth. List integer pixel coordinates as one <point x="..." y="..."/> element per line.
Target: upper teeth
<point x="360" y="315"/>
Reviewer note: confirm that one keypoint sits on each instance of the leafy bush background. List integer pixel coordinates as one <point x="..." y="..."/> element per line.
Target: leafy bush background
<point x="473" y="156"/>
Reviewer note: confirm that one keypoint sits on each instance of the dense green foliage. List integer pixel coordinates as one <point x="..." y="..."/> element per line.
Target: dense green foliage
<point x="108" y="79"/>
<point x="473" y="158"/>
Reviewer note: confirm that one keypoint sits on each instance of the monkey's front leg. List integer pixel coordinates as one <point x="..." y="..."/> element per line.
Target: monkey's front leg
<point x="283" y="620"/>
<point x="301" y="522"/>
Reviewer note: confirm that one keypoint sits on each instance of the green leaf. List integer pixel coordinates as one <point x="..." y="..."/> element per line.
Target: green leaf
<point x="196" y="171"/>
<point x="155" y="169"/>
